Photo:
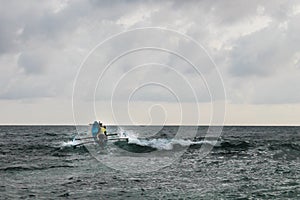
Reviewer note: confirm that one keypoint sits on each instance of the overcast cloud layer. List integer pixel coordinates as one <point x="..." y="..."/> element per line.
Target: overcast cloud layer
<point x="255" y="45"/>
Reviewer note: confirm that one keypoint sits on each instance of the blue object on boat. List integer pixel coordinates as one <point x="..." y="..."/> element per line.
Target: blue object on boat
<point x="95" y="129"/>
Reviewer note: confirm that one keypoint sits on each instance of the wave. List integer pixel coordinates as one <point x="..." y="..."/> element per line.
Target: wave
<point x="137" y="144"/>
<point x="32" y="167"/>
<point x="140" y="145"/>
<point x="69" y="143"/>
<point x="64" y="148"/>
<point x="235" y="144"/>
<point x="285" y="146"/>
<point x="169" y="144"/>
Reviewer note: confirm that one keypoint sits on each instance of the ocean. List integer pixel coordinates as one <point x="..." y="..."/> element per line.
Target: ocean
<point x="246" y="163"/>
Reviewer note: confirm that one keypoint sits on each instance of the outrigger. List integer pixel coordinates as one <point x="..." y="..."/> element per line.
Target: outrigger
<point x="98" y="135"/>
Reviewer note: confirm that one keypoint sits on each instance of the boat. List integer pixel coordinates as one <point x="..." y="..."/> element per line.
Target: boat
<point x="97" y="135"/>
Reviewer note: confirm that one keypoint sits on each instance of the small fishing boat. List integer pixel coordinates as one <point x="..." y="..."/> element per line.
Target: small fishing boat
<point x="97" y="135"/>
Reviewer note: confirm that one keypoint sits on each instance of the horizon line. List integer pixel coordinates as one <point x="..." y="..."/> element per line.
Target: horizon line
<point x="153" y="125"/>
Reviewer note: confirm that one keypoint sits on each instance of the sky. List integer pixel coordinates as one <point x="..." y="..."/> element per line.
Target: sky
<point x="150" y="62"/>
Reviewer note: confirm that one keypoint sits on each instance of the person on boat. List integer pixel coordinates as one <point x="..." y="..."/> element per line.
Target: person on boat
<point x="102" y="139"/>
<point x="103" y="129"/>
<point x="101" y="136"/>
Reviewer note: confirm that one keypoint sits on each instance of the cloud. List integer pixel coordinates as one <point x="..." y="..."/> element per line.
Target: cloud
<point x="278" y="90"/>
<point x="45" y="42"/>
<point x="32" y="64"/>
<point x="266" y="51"/>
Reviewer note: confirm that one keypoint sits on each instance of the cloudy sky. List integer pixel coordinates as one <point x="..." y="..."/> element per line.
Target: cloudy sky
<point x="57" y="62"/>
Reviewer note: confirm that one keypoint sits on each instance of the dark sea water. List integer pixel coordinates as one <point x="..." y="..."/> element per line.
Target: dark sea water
<point x="248" y="163"/>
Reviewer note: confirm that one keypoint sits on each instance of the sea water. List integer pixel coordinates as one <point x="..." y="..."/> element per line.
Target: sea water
<point x="248" y="162"/>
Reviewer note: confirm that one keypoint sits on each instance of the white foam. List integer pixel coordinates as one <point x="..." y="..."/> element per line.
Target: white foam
<point x="167" y="144"/>
<point x="69" y="143"/>
<point x="162" y="143"/>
